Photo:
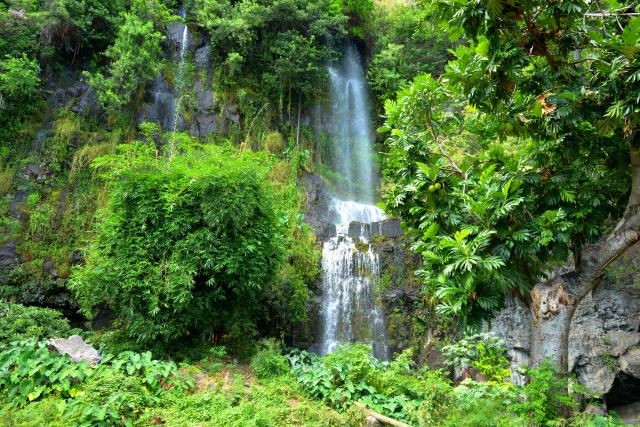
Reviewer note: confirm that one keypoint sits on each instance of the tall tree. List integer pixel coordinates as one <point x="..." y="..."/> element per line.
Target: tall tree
<point x="518" y="157"/>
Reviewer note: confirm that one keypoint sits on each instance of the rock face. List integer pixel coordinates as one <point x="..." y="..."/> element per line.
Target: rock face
<point x="388" y="228"/>
<point x="317" y="206"/>
<point x="203" y="114"/>
<point x="77" y="96"/>
<point x="604" y="341"/>
<point x="76" y="348"/>
<point x="160" y="105"/>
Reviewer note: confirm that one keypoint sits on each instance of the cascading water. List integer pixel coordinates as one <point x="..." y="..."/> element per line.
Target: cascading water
<point x="350" y="266"/>
<point x="180" y="77"/>
<point x="184" y="43"/>
<point x="351" y="128"/>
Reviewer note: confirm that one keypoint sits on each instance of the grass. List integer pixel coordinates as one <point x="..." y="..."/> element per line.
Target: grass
<point x="6" y="180"/>
<point x="234" y="397"/>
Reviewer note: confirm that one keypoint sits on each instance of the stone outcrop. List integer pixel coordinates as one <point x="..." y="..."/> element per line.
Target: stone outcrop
<point x="317" y="206"/>
<point x="76" y="95"/>
<point x="388" y="228"/>
<point x="76" y="348"/>
<point x="604" y="341"/>
<point x="160" y="104"/>
<point x="204" y="114"/>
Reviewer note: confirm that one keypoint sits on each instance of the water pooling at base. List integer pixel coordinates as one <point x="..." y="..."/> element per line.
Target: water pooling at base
<point x="351" y="270"/>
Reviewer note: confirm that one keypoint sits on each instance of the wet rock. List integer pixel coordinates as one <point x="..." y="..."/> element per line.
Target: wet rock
<point x="202" y="57"/>
<point x="75" y="347"/>
<point x="38" y="172"/>
<point x="317" y="202"/>
<point x="50" y="268"/>
<point x="87" y="103"/>
<point x="76" y="258"/>
<point x="204" y="96"/>
<point x="175" y="31"/>
<point x="160" y="106"/>
<point x="232" y="114"/>
<point x="203" y="124"/>
<point x="75" y="94"/>
<point x="389" y="228"/>
<point x="8" y="254"/>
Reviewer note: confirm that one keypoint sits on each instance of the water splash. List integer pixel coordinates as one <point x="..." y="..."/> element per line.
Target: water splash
<point x="351" y="268"/>
<point x="351" y="129"/>
<point x="350" y="265"/>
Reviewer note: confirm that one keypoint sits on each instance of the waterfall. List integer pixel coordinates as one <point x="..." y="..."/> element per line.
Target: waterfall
<point x="350" y="265"/>
<point x="179" y="81"/>
<point x="351" y="129"/>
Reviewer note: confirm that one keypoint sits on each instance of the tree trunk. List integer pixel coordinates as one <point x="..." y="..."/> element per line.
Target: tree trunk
<point x="554" y="302"/>
<point x="552" y="308"/>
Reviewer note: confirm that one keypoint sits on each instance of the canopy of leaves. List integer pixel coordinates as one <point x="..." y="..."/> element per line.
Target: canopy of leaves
<point x="407" y="43"/>
<point x="134" y="57"/>
<point x="19" y="82"/>
<point x="517" y="156"/>
<point x="18" y="322"/>
<point x="273" y="47"/>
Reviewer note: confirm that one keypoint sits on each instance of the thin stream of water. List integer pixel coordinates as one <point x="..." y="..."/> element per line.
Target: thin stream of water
<point x="179" y="78"/>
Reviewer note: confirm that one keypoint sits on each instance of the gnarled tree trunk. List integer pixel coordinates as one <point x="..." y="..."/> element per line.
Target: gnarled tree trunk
<point x="554" y="302"/>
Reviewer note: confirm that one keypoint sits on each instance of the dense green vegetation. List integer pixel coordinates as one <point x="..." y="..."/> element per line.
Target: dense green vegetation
<point x="518" y="155"/>
<point x="508" y="139"/>
<point x="180" y="236"/>
<point x="41" y="386"/>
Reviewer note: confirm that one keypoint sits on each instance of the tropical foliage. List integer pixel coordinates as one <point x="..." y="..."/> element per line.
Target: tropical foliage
<point x="517" y="156"/>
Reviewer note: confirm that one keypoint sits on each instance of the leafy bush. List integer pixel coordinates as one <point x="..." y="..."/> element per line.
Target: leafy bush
<point x="18" y="80"/>
<point x="268" y="362"/>
<point x="185" y="243"/>
<point x="480" y="404"/>
<point x="113" y="392"/>
<point x="484" y="352"/>
<point x="273" y="403"/>
<point x="351" y="374"/>
<point x="29" y="371"/>
<point x="545" y="396"/>
<point x="135" y="56"/>
<point x="18" y="322"/>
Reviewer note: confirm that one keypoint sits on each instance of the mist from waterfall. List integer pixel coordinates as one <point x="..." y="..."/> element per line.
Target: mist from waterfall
<point x="350" y="266"/>
<point x="350" y="128"/>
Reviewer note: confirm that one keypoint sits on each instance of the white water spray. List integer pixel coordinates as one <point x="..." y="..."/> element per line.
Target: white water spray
<point x="350" y="265"/>
<point x="350" y="269"/>
<point x="351" y="129"/>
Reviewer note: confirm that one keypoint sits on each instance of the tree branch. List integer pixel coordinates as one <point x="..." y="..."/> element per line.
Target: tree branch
<point x="434" y="135"/>
<point x="596" y="258"/>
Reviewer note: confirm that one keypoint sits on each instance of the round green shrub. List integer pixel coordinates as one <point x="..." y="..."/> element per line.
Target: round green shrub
<point x="268" y="362"/>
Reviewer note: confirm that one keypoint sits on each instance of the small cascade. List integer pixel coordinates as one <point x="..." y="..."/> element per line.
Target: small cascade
<point x="349" y="311"/>
<point x="184" y="44"/>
